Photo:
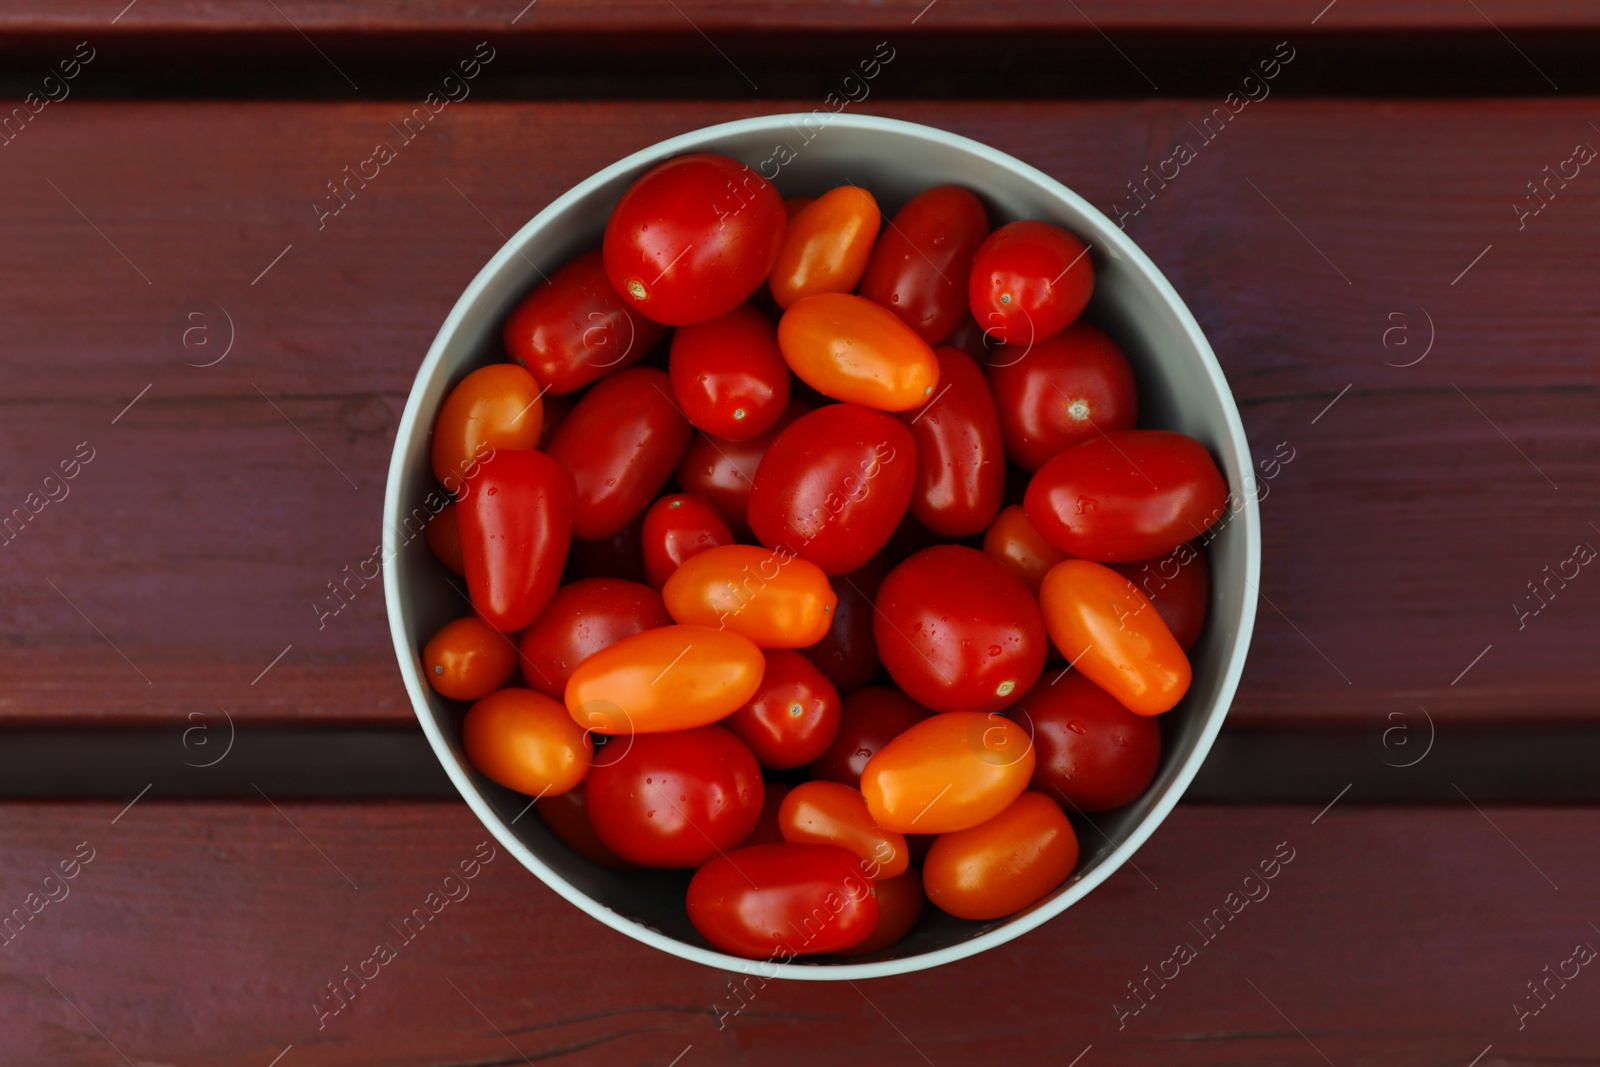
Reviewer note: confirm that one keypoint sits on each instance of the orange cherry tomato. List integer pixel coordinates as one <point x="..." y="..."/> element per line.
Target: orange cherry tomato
<point x="769" y="595"/>
<point x="669" y="678"/>
<point x="1114" y="635"/>
<point x="947" y="773"/>
<point x="850" y="349"/>
<point x="900" y="903"/>
<point x="827" y="813"/>
<point x="444" y="538"/>
<point x="527" y="742"/>
<point x="1013" y="541"/>
<point x="1001" y="866"/>
<point x="498" y="406"/>
<point x="468" y="659"/>
<point x="827" y="245"/>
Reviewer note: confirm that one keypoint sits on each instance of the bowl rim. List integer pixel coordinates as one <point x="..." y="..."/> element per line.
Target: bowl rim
<point x="1248" y="519"/>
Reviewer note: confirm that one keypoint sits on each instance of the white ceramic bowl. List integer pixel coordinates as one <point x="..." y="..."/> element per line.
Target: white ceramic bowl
<point x="1181" y="387"/>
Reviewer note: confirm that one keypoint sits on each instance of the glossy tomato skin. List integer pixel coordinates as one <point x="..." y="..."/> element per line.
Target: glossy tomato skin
<point x="677" y="528"/>
<point x="467" y="659"/>
<point x="958" y="631"/>
<point x="848" y="653"/>
<point x="920" y="264"/>
<point x="769" y="595"/>
<point x="526" y="741"/>
<point x="494" y="407"/>
<point x="834" y="485"/>
<point x="848" y="348"/>
<point x="1179" y="585"/>
<point x="793" y="716"/>
<point x="674" y="799"/>
<point x="827" y="245"/>
<point x="1015" y="543"/>
<point x="693" y="237"/>
<point x="1092" y="754"/>
<point x="1126" y="495"/>
<point x="1030" y="280"/>
<point x="620" y="444"/>
<point x="669" y="678"/>
<point x="961" y="470"/>
<point x="723" y="471"/>
<point x="1001" y="866"/>
<point x="1109" y="631"/>
<point x="584" y="617"/>
<point x="781" y="901"/>
<point x="900" y="904"/>
<point x="575" y="328"/>
<point x="516" y="526"/>
<point x="444" y="538"/>
<point x="728" y="375"/>
<point x="832" y="814"/>
<point x="567" y="816"/>
<point x="868" y="720"/>
<point x="948" y="773"/>
<point x="1061" y="392"/>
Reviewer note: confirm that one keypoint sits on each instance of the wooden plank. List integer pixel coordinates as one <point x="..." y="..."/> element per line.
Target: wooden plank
<point x="205" y="934"/>
<point x="218" y="508"/>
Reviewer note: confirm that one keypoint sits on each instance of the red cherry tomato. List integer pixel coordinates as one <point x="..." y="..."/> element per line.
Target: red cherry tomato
<point x="920" y="264"/>
<point x="1179" y="585"/>
<point x="793" y="716"/>
<point x="848" y="653"/>
<point x="848" y="348"/>
<point x="948" y="773"/>
<point x="767" y="594"/>
<point x="494" y="407"/>
<point x="1061" y="392"/>
<point x="669" y="678"/>
<point x="1014" y="542"/>
<point x="444" y="538"/>
<point x="827" y="245"/>
<point x="693" y="237"/>
<point x="780" y="901"/>
<point x="868" y="719"/>
<point x="958" y="631"/>
<point x="620" y="443"/>
<point x="567" y="816"/>
<point x="583" y="618"/>
<point x="678" y="528"/>
<point x="834" y="485"/>
<point x="1029" y="281"/>
<point x="728" y="375"/>
<point x="723" y="471"/>
<point x="516" y="526"/>
<point x="900" y="903"/>
<point x="827" y="813"/>
<point x="1126" y="495"/>
<point x="468" y="659"/>
<point x="525" y="741"/>
<point x="961" y="470"/>
<point x="574" y="328"/>
<point x="999" y="867"/>
<point x="1092" y="753"/>
<point x="674" y="799"/>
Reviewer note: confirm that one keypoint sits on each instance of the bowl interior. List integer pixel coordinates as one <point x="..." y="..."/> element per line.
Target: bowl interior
<point x="1181" y="388"/>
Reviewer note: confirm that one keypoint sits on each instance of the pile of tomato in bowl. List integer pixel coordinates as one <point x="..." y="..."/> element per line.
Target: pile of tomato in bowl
<point x="818" y="579"/>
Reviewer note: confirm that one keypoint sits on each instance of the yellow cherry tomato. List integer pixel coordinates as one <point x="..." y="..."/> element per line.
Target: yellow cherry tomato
<point x="498" y="406"/>
<point x="947" y="773"/>
<point x="771" y="596"/>
<point x="827" y="245"/>
<point x="1003" y="865"/>
<point x="669" y="678"/>
<point x="850" y="349"/>
<point x="827" y="813"/>
<point x="526" y="741"/>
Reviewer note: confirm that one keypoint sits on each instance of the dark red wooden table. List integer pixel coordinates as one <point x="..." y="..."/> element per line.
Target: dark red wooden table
<point x="1361" y="246"/>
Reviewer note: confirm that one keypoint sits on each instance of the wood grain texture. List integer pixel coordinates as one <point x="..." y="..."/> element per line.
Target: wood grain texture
<point x="219" y="507"/>
<point x="203" y="934"/>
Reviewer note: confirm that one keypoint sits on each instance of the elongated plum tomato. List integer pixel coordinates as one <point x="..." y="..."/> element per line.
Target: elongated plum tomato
<point x="620" y="443"/>
<point x="920" y="265"/>
<point x="1126" y="495"/>
<point x="527" y="742"/>
<point x="584" y="617"/>
<point x="1115" y="636"/>
<point x="828" y="813"/>
<point x="779" y="901"/>
<point x="468" y="659"/>
<point x="1179" y="585"/>
<point x="444" y="538"/>
<point x="958" y="631"/>
<point x="728" y="375"/>
<point x="1060" y="392"/>
<point x="833" y="486"/>
<point x="793" y="716"/>
<point x="827" y="245"/>
<point x="567" y="815"/>
<point x="869" y="719"/>
<point x="999" y="867"/>
<point x="574" y="328"/>
<point x="494" y="407"/>
<point x="678" y="528"/>
<point x="722" y="471"/>
<point x="693" y="237"/>
<point x="900" y="904"/>
<point x="767" y="594"/>
<point x="674" y="799"/>
<point x="1091" y="753"/>
<point x="1013" y="541"/>
<point x="848" y="653"/>
<point x="516" y="527"/>
<point x="848" y="348"/>
<point x="948" y="773"/>
<point x="961" y="470"/>
<point x="1029" y="281"/>
<point x="669" y="678"/>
